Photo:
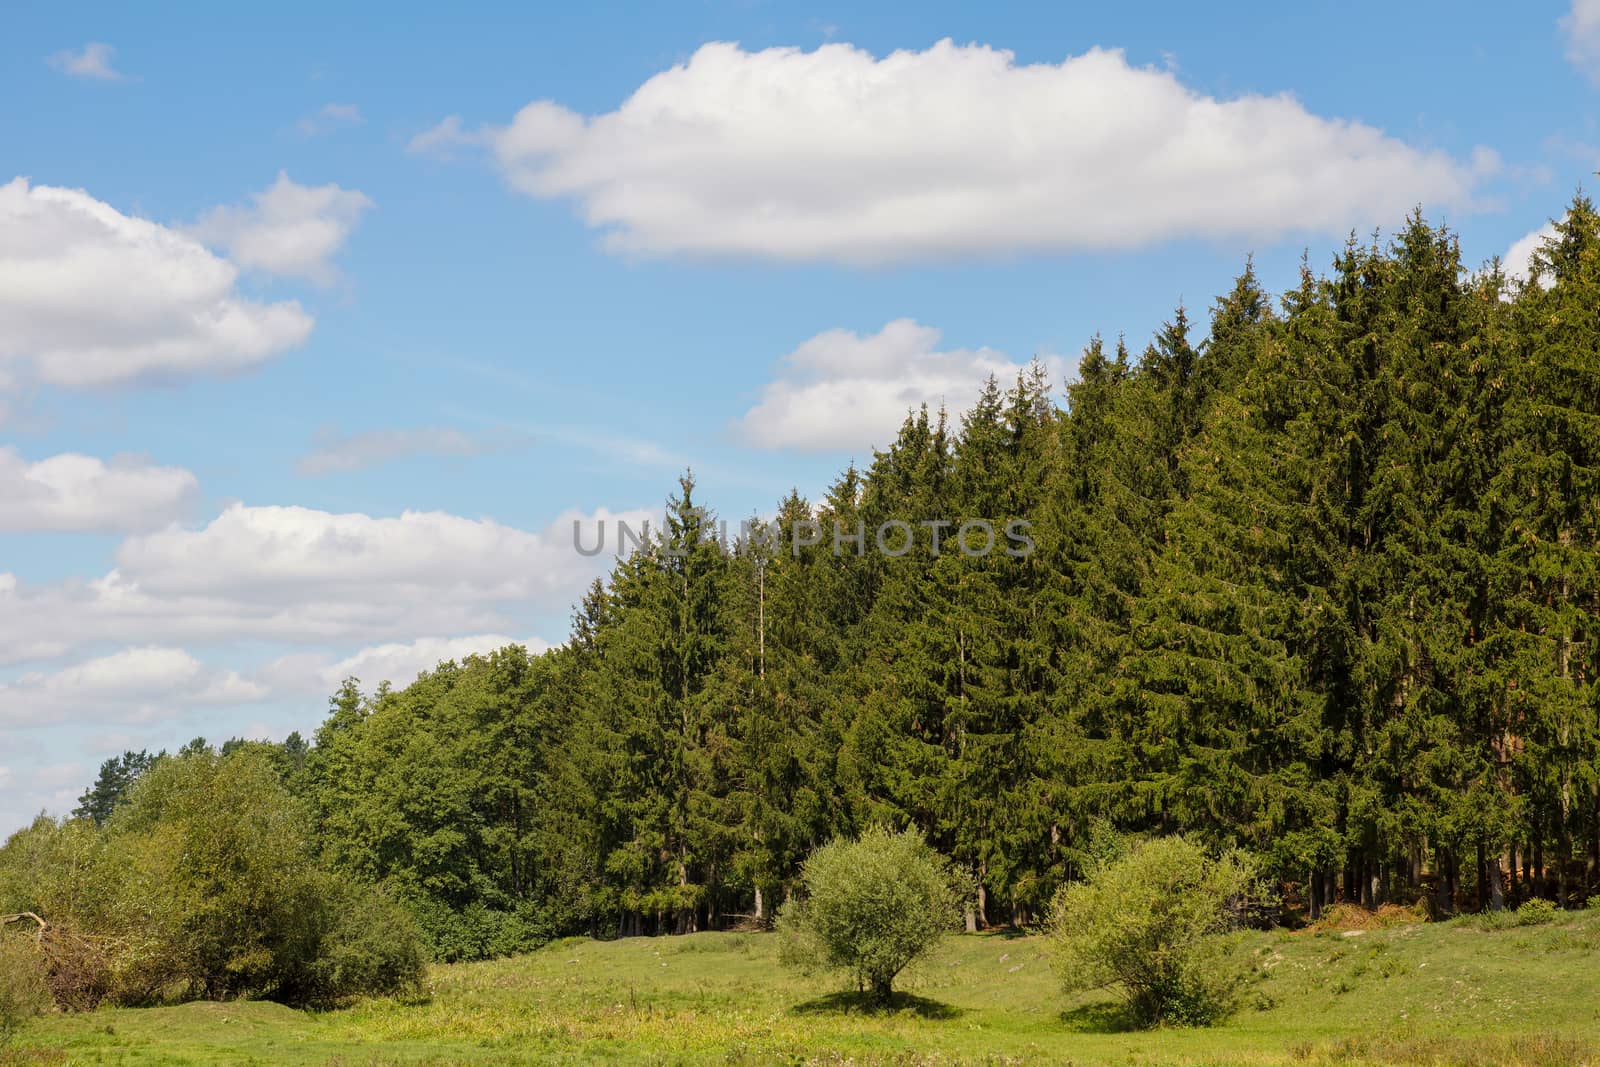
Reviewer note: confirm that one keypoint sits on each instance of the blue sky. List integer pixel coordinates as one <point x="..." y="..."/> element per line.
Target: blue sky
<point x="318" y="327"/>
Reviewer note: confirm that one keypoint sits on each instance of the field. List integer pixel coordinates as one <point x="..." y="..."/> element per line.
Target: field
<point x="1452" y="993"/>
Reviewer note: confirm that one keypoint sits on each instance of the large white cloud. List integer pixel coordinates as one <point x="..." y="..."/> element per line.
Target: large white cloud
<point x="290" y="574"/>
<point x="838" y="155"/>
<point x="1582" y="26"/>
<point x="841" y="391"/>
<point x="134" y="685"/>
<point x="92" y="297"/>
<point x="397" y="662"/>
<point x="75" y="492"/>
<point x="288" y="228"/>
<point x="1519" y="257"/>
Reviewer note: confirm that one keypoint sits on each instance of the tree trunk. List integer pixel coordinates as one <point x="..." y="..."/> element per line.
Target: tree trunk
<point x="1443" y="897"/>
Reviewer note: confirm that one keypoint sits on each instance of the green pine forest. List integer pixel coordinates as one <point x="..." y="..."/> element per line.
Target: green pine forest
<point x="1315" y="575"/>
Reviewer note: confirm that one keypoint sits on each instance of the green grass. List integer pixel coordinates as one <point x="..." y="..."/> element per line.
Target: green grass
<point x="1460" y="993"/>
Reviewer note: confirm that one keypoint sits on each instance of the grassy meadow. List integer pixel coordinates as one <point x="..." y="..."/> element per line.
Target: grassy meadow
<point x="1460" y="992"/>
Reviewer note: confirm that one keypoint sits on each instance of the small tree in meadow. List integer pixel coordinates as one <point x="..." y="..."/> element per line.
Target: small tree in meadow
<point x="870" y="907"/>
<point x="1152" y="924"/>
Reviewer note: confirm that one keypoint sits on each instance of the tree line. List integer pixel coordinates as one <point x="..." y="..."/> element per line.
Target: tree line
<point x="1315" y="579"/>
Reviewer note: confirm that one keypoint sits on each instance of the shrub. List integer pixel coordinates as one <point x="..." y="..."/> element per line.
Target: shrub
<point x="204" y="883"/>
<point x="870" y="907"/>
<point x="1537" y="912"/>
<point x="24" y="991"/>
<point x="476" y="931"/>
<point x="366" y="944"/>
<point x="1152" y="925"/>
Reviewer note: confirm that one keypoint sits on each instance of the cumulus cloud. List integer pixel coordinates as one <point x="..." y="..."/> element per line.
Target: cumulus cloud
<point x="954" y="151"/>
<point x="841" y="391"/>
<point x="339" y="453"/>
<point x="1582" y="27"/>
<point x="72" y="492"/>
<point x="92" y="61"/>
<point x="1518" y="260"/>
<point x="329" y="118"/>
<point x="308" y="577"/>
<point x="395" y="662"/>
<point x="90" y="297"/>
<point x="288" y="229"/>
<point x="134" y="685"/>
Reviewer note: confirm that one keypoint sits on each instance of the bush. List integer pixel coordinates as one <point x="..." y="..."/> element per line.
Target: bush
<point x="24" y="991"/>
<point x="1151" y="924"/>
<point x="477" y="931"/>
<point x="204" y="883"/>
<point x="870" y="907"/>
<point x="366" y="944"/>
<point x="1537" y="912"/>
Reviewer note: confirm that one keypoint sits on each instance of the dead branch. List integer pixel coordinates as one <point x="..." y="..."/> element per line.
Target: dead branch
<point x="7" y="920"/>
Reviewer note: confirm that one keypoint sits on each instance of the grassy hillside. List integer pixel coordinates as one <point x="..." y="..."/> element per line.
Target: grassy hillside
<point x="1452" y="993"/>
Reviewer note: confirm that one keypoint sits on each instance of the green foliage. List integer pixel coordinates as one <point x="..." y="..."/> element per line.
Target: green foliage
<point x="1535" y="912"/>
<point x="111" y="788"/>
<point x="24" y="987"/>
<point x="204" y="884"/>
<point x="871" y="906"/>
<point x="1413" y="996"/>
<point x="367" y="945"/>
<point x="1315" y="578"/>
<point x="1152" y="924"/>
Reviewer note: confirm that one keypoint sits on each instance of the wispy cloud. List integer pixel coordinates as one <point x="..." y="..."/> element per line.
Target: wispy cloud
<point x="444" y="136"/>
<point x="92" y="61"/>
<point x="330" y="118"/>
<point x="339" y="453"/>
<point x="1582" y="27"/>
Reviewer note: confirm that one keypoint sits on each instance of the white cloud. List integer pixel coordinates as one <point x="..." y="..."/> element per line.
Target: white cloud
<point x="330" y="117"/>
<point x="288" y="229"/>
<point x="337" y="453"/>
<point x="1518" y="258"/>
<point x="92" y="297"/>
<point x="445" y="135"/>
<point x="957" y="150"/>
<point x="135" y="685"/>
<point x="398" y="663"/>
<point x="307" y="577"/>
<point x="93" y="60"/>
<point x="843" y="392"/>
<point x="1582" y="27"/>
<point x="32" y="785"/>
<point x="75" y="492"/>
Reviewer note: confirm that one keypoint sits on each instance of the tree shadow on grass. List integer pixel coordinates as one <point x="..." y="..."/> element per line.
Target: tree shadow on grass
<point x="850" y="1002"/>
<point x="1101" y="1017"/>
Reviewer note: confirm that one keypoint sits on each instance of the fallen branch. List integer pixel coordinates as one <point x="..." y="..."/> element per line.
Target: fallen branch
<point x="6" y="920"/>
